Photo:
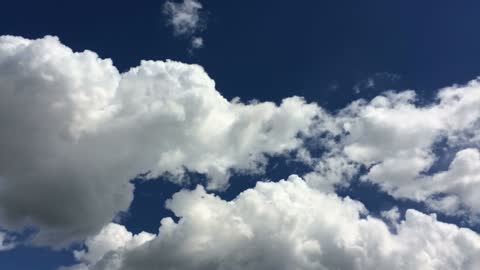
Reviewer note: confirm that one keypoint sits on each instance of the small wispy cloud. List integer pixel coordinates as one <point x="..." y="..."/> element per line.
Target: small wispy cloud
<point x="6" y="242"/>
<point x="197" y="42"/>
<point x="379" y="79"/>
<point x="186" y="19"/>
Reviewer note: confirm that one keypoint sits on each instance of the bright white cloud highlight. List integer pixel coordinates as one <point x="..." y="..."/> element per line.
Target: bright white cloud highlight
<point x="287" y="225"/>
<point x="75" y="131"/>
<point x="112" y="237"/>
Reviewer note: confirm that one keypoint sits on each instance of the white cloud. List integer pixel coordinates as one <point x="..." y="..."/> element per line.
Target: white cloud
<point x="461" y="182"/>
<point x="75" y="131"/>
<point x="332" y="170"/>
<point x="392" y="215"/>
<point x="394" y="138"/>
<point x="111" y="237"/>
<point x="186" y="19"/>
<point x="287" y="225"/>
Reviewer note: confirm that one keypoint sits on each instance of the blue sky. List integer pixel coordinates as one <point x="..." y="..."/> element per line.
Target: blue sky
<point x="331" y="53"/>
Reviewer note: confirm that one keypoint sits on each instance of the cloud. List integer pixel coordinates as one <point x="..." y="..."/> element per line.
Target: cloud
<point x="75" y="131"/>
<point x="112" y="237"/>
<point x="382" y="80"/>
<point x="6" y="242"/>
<point x="393" y="137"/>
<point x="392" y="215"/>
<point x="461" y="183"/>
<point x="197" y="42"/>
<point x="288" y="225"/>
<point x="186" y="19"/>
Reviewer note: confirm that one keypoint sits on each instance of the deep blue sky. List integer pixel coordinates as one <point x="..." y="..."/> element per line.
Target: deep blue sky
<point x="267" y="50"/>
<point x="272" y="49"/>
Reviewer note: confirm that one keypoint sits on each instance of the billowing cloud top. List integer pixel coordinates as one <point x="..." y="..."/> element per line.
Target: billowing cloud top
<point x="285" y="225"/>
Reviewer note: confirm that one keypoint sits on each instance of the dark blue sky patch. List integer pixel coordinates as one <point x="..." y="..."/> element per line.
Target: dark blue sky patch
<point x="28" y="258"/>
<point x="148" y="206"/>
<point x="268" y="50"/>
<point x="278" y="168"/>
<point x="444" y="154"/>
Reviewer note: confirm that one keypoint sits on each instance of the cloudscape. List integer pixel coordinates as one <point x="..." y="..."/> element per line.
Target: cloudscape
<point x="193" y="134"/>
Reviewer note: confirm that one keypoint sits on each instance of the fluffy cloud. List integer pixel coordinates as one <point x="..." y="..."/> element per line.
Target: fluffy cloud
<point x="460" y="183"/>
<point x="75" y="130"/>
<point x="288" y="225"/>
<point x="394" y="136"/>
<point x="112" y="237"/>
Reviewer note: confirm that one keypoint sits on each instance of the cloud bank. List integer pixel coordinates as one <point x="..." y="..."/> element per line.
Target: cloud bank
<point x="287" y="225"/>
<point x="75" y="131"/>
<point x="397" y="140"/>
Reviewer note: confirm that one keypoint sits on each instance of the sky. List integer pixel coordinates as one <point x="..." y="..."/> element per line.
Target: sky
<point x="196" y="134"/>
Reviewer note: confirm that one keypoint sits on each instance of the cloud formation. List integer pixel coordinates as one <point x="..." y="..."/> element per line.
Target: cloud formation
<point x="288" y="225"/>
<point x="75" y="131"/>
<point x="394" y="137"/>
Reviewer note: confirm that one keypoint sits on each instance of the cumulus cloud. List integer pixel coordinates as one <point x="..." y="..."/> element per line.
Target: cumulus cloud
<point x="112" y="237"/>
<point x="75" y="131"/>
<point x="394" y="137"/>
<point x="186" y="19"/>
<point x="460" y="183"/>
<point x="288" y="225"/>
